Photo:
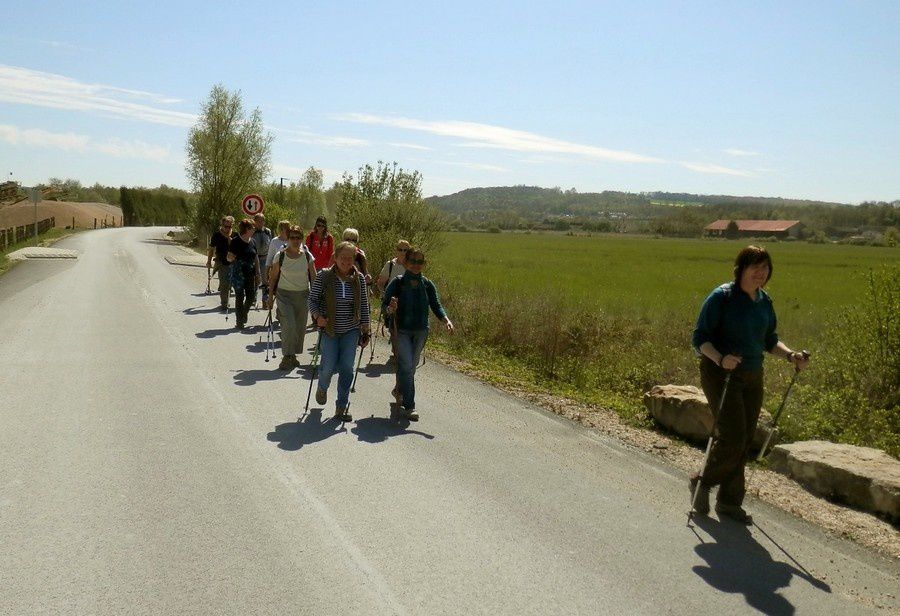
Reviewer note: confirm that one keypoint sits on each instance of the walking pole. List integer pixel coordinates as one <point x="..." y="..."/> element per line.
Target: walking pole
<point x="774" y="428"/>
<point x="270" y="336"/>
<point x="208" y="280"/>
<point x="356" y="372"/>
<point x="315" y="366"/>
<point x="712" y="434"/>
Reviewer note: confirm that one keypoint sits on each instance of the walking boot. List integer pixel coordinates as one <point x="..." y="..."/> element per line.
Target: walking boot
<point x="286" y="363"/>
<point x="321" y="396"/>
<point x="735" y="512"/>
<point x="398" y="397"/>
<point x="344" y="415"/>
<point x="411" y="414"/>
<point x="702" y="504"/>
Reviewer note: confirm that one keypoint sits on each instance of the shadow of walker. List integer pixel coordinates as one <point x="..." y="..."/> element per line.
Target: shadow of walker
<point x="245" y="378"/>
<point x="379" y="429"/>
<point x="737" y="563"/>
<point x="294" y="435"/>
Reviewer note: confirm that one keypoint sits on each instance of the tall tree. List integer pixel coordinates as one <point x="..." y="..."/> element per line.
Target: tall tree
<point x="228" y="154"/>
<point x="385" y="203"/>
<point x="311" y="197"/>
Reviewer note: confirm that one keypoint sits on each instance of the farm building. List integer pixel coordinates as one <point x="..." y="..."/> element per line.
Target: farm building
<point x="756" y="228"/>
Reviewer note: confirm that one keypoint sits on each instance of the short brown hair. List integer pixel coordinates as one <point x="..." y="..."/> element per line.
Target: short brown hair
<point x="751" y="255"/>
<point x="245" y="225"/>
<point x="344" y="246"/>
<point x="295" y="229"/>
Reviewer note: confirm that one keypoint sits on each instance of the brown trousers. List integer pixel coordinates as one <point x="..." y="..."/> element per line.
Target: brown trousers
<point x="734" y="429"/>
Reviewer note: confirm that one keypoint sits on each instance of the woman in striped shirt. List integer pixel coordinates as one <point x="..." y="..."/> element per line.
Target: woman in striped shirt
<point x="339" y="305"/>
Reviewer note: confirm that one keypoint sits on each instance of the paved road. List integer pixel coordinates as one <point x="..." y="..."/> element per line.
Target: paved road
<point x="152" y="463"/>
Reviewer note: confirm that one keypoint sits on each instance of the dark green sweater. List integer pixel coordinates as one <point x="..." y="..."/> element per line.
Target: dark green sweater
<point x="415" y="294"/>
<point x="737" y="325"/>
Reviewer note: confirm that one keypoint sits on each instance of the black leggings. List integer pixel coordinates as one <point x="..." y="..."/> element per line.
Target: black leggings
<point x="243" y="300"/>
<point x="735" y="428"/>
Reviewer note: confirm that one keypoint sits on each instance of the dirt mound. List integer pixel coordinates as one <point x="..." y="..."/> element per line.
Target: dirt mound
<point x="22" y="213"/>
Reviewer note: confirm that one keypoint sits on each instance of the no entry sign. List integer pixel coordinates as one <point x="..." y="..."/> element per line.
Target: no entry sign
<point x="252" y="204"/>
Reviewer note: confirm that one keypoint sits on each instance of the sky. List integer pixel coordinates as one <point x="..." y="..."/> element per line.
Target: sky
<point x="792" y="99"/>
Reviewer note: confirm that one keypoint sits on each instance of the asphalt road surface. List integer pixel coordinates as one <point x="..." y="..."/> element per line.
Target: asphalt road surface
<point x="151" y="462"/>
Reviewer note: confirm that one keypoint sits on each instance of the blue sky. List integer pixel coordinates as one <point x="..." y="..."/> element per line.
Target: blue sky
<point x="792" y="99"/>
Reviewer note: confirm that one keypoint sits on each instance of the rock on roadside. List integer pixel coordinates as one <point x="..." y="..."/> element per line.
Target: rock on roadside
<point x="860" y="476"/>
<point x="683" y="410"/>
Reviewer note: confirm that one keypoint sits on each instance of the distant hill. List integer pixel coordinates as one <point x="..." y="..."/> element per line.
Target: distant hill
<point x="534" y="199"/>
<point x="527" y="207"/>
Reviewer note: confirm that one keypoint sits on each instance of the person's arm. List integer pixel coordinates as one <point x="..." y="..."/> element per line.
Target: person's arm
<point x="434" y="301"/>
<point x="388" y="301"/>
<point x="310" y="265"/>
<point x="274" y="271"/>
<point x="364" y="310"/>
<point x="314" y="303"/>
<point x="707" y="323"/>
<point x="270" y="256"/>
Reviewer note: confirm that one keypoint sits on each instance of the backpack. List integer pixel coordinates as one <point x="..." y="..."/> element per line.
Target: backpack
<point x="281" y="255"/>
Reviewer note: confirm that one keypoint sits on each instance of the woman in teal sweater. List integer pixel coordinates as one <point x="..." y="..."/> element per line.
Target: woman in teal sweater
<point x="408" y="298"/>
<point x="737" y="324"/>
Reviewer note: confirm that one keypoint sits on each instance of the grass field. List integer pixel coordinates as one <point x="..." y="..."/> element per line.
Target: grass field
<point x="603" y="318"/>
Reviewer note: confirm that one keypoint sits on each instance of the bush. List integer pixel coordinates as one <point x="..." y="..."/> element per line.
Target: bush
<point x="493" y="230"/>
<point x="856" y="398"/>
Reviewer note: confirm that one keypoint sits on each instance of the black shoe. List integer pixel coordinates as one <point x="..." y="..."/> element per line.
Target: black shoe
<point x="702" y="504"/>
<point x="411" y="414"/>
<point x="344" y="415"/>
<point x="321" y="396"/>
<point x="735" y="512"/>
<point x="223" y="308"/>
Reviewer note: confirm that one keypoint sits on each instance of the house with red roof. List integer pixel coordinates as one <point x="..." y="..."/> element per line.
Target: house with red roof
<point x="756" y="228"/>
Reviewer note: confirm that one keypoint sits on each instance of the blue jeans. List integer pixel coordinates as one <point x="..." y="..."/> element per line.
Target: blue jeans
<point x="337" y="355"/>
<point x="409" y="344"/>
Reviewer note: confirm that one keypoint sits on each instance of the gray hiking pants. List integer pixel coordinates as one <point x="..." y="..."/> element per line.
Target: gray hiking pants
<point x="293" y="313"/>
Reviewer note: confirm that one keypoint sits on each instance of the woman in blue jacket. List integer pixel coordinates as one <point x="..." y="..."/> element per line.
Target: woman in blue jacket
<point x="737" y="324"/>
<point x="408" y="298"/>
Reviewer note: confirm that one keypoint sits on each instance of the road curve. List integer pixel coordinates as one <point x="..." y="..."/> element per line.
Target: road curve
<point x="151" y="462"/>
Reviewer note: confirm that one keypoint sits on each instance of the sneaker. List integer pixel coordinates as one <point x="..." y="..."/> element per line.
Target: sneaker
<point x="411" y="414"/>
<point x="321" y="396"/>
<point x="735" y="512"/>
<point x="344" y="415"/>
<point x="702" y="504"/>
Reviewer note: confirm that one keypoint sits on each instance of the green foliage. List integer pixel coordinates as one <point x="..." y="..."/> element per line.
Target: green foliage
<point x="72" y="190"/>
<point x="142" y="206"/>
<point x="732" y="230"/>
<point x="855" y="397"/>
<point x="385" y="204"/>
<point x="604" y="318"/>
<point x="228" y="155"/>
<point x="302" y="200"/>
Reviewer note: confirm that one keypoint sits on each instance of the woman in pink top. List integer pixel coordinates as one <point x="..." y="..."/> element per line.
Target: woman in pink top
<point x="321" y="243"/>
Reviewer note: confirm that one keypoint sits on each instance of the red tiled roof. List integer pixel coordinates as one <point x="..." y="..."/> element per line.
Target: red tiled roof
<point x="754" y="225"/>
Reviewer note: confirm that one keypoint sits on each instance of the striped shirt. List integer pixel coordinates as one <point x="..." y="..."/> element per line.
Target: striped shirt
<point x="344" y="319"/>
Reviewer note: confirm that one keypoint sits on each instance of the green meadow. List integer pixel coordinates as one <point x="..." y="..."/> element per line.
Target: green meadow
<point x="602" y="318"/>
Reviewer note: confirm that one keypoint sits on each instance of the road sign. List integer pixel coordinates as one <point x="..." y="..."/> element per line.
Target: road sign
<point x="253" y="204"/>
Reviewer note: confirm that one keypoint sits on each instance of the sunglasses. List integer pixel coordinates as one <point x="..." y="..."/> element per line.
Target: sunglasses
<point x="294" y="237"/>
<point x="416" y="261"/>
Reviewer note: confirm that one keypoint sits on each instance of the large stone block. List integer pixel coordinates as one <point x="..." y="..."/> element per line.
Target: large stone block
<point x="860" y="476"/>
<point x="683" y="410"/>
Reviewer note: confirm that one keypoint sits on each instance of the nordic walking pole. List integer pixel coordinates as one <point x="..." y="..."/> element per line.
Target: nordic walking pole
<point x="762" y="451"/>
<point x="315" y="366"/>
<point x="270" y="336"/>
<point x="774" y="428"/>
<point x="699" y="485"/>
<point x="208" y="280"/>
<point x="356" y="372"/>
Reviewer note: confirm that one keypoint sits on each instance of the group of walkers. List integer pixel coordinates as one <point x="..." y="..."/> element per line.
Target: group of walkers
<point x="310" y="275"/>
<point x="735" y="328"/>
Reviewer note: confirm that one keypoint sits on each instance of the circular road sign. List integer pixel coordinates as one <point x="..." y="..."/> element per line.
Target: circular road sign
<point x="252" y="204"/>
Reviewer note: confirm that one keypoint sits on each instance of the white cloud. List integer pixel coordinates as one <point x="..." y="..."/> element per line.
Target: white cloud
<point x="476" y="166"/>
<point x="411" y="146"/>
<point x="72" y="142"/>
<point x="28" y="87"/>
<point x="311" y="138"/>
<point x="488" y="136"/>
<point x="714" y="169"/>
<point x="737" y="152"/>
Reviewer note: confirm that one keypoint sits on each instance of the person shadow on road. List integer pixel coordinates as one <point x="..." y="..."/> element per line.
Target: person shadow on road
<point x="294" y="435"/>
<point x="737" y="563"/>
<point x="379" y="429"/>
